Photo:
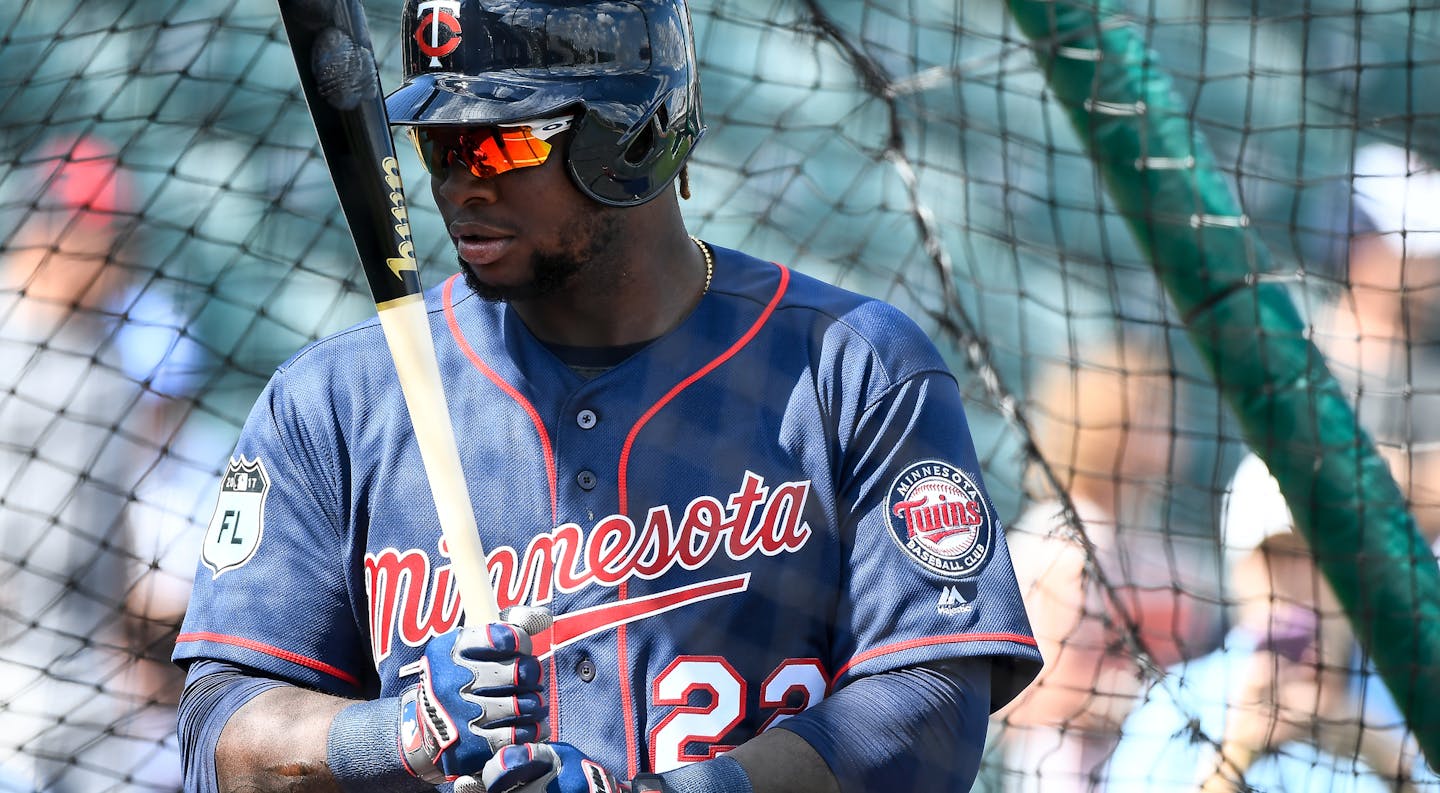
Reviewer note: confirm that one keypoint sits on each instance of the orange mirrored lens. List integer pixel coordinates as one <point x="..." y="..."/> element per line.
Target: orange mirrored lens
<point x="485" y="152"/>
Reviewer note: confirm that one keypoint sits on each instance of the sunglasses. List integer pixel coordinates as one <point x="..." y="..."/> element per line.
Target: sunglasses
<point x="487" y="151"/>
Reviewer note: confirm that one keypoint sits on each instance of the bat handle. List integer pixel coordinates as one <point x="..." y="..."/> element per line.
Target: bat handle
<point x="407" y="331"/>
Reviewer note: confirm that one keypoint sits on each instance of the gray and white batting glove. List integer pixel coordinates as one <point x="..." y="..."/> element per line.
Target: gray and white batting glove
<point x="543" y="768"/>
<point x="480" y="690"/>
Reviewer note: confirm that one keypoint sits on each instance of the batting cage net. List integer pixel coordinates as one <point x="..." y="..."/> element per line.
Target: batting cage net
<point x="170" y="235"/>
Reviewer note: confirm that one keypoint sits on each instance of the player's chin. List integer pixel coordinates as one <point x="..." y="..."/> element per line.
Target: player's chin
<point x="488" y="285"/>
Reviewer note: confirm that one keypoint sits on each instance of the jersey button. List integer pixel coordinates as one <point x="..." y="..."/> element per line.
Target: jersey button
<point x="586" y="419"/>
<point x="586" y="480"/>
<point x="585" y="669"/>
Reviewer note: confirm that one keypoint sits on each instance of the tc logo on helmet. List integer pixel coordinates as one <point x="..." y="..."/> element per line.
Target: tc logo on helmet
<point x="938" y="516"/>
<point x="438" y="32"/>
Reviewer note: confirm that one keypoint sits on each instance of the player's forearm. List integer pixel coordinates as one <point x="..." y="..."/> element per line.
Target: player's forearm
<point x="915" y="729"/>
<point x="243" y="731"/>
<point x="277" y="742"/>
<point x="779" y="761"/>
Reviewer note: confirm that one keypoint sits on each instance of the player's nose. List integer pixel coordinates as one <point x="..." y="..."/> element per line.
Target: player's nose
<point x="457" y="186"/>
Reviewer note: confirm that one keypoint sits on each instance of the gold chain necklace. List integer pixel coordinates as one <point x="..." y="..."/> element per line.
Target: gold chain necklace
<point x="709" y="262"/>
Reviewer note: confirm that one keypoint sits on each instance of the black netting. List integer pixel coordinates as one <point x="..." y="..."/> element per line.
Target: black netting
<point x="170" y="235"/>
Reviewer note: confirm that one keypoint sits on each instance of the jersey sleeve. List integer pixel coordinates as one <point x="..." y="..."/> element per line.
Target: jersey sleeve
<point x="272" y="586"/>
<point x="929" y="576"/>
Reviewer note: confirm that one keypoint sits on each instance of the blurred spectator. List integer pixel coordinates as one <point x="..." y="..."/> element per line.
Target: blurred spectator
<point x="88" y="406"/>
<point x="1288" y="693"/>
<point x="1106" y="430"/>
<point x="1380" y="336"/>
<point x="1285" y="692"/>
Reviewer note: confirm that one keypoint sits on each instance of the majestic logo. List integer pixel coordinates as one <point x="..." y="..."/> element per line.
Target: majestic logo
<point x="955" y="599"/>
<point x="938" y="515"/>
<point x="239" y="519"/>
<point x="438" y="31"/>
<point x="412" y="599"/>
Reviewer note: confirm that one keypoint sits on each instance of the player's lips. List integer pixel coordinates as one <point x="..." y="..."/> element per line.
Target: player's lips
<point x="479" y="244"/>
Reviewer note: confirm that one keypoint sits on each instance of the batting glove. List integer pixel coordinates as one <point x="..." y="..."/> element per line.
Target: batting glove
<point x="542" y="768"/>
<point x="480" y="690"/>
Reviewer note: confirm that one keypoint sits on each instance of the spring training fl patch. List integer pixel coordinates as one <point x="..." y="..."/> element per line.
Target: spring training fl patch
<point x="239" y="520"/>
<point x="939" y="517"/>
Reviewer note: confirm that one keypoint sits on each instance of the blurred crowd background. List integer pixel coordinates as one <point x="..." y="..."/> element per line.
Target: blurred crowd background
<point x="168" y="235"/>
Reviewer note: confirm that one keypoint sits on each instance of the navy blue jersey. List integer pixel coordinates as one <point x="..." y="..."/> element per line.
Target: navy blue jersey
<point x="775" y="497"/>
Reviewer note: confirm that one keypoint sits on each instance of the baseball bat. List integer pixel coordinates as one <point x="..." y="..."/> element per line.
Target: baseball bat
<point x="336" y="61"/>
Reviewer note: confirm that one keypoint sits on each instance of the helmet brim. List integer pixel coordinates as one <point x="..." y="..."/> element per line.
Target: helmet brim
<point x="447" y="98"/>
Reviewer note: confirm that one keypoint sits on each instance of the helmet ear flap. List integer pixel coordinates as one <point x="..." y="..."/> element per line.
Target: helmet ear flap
<point x="641" y="148"/>
<point x="635" y="171"/>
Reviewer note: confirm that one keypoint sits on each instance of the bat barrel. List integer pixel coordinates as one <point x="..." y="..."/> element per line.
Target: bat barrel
<point x="341" y="82"/>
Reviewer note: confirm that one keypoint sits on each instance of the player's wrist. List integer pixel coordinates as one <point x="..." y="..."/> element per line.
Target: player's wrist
<point x="419" y="747"/>
<point x="716" y="774"/>
<point x="362" y="748"/>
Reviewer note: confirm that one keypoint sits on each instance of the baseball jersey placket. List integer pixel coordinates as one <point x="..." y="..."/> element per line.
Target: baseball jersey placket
<point x="571" y="418"/>
<point x="584" y="421"/>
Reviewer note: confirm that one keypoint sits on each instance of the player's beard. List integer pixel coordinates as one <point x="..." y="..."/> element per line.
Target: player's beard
<point x="587" y="246"/>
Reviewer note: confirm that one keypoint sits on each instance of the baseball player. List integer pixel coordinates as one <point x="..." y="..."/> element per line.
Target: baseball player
<point x="733" y="515"/>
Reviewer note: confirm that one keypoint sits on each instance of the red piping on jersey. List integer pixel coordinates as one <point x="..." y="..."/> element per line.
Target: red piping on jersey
<point x="687" y="382"/>
<point x="508" y="389"/>
<point x="259" y="647"/>
<point x="930" y="641"/>
<point x="627" y="706"/>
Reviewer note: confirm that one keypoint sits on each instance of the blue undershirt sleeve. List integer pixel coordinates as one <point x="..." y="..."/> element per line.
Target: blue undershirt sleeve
<point x="920" y="728"/>
<point x="214" y="691"/>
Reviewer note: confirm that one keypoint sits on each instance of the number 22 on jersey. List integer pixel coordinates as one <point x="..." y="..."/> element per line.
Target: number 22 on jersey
<point x="794" y="685"/>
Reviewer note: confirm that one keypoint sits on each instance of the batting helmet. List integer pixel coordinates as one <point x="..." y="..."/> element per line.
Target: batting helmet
<point x="627" y="67"/>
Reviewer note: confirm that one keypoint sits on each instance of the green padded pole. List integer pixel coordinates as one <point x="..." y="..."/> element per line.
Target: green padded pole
<point x="1163" y="181"/>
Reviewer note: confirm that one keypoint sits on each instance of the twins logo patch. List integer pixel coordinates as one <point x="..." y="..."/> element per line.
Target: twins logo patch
<point x="238" y="523"/>
<point x="938" y="516"/>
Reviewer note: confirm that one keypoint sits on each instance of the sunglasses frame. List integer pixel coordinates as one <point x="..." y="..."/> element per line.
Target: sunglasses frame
<point x="541" y="129"/>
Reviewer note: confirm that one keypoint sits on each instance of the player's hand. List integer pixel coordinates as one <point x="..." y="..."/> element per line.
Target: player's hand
<point x="480" y="690"/>
<point x="541" y="768"/>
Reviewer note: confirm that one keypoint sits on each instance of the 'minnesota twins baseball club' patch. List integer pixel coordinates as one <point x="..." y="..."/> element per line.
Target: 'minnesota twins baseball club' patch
<point x="939" y="517"/>
<point x="238" y="523"/>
